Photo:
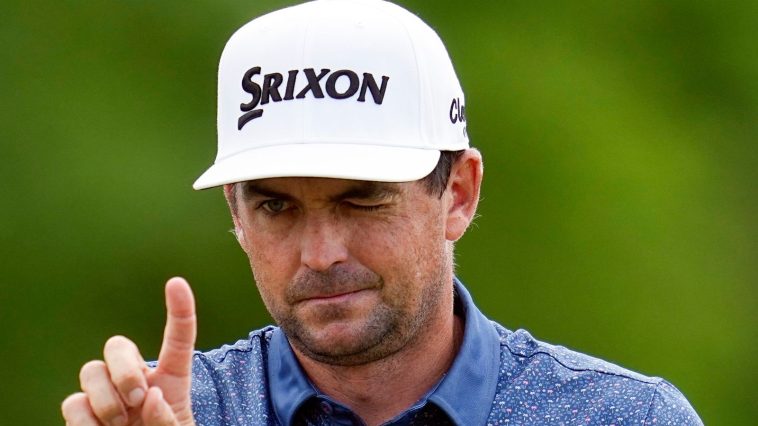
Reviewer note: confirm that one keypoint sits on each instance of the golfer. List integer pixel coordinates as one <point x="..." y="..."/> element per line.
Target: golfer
<point x="344" y="158"/>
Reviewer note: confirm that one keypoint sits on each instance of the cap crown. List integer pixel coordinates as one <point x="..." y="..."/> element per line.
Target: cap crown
<point x="335" y="72"/>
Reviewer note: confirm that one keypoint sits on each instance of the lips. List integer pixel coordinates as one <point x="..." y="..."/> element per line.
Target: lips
<point x="339" y="281"/>
<point x="332" y="296"/>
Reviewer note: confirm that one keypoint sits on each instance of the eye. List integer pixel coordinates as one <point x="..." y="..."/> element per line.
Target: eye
<point x="273" y="206"/>
<point x="365" y="207"/>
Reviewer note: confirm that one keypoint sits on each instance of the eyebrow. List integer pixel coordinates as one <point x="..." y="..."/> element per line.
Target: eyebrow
<point x="368" y="190"/>
<point x="250" y="189"/>
<point x="364" y="190"/>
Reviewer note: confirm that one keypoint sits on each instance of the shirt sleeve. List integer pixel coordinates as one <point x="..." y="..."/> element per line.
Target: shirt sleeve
<point x="669" y="407"/>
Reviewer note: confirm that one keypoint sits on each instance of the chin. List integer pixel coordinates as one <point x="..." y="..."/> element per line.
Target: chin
<point x="346" y="344"/>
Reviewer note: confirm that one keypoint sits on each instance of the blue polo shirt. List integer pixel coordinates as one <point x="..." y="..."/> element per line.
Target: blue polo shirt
<point x="498" y="377"/>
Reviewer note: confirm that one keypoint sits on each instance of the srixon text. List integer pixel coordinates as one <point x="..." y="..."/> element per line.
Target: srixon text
<point x="274" y="88"/>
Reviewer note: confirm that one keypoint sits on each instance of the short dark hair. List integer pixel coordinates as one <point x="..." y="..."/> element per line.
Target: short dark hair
<point x="436" y="181"/>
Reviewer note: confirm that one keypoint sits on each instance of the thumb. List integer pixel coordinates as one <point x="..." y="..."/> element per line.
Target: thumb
<point x="175" y="358"/>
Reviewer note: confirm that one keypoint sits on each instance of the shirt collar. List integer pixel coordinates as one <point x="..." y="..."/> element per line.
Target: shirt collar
<point x="468" y="388"/>
<point x="290" y="388"/>
<point x="465" y="393"/>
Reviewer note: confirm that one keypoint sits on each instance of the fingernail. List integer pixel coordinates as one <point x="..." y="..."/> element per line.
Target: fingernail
<point x="119" y="421"/>
<point x="136" y="396"/>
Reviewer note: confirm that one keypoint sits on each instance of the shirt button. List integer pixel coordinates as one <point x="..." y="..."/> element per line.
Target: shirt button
<point x="326" y="407"/>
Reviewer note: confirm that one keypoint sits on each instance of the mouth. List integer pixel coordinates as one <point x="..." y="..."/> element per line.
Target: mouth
<point x="337" y="297"/>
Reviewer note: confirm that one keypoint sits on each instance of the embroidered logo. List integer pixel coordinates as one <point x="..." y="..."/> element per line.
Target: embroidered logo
<point x="269" y="89"/>
<point x="458" y="114"/>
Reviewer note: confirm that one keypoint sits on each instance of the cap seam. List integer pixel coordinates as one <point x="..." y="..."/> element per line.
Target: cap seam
<point x="419" y="95"/>
<point x="304" y="40"/>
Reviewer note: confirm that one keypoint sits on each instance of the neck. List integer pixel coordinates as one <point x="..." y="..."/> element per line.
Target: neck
<point x="380" y="390"/>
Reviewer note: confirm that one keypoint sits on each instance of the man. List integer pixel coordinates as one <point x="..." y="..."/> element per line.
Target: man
<point x="345" y="162"/>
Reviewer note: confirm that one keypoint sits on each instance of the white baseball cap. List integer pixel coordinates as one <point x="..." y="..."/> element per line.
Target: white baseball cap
<point x="350" y="89"/>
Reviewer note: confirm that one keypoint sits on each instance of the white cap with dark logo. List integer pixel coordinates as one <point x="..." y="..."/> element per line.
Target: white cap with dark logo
<point x="350" y="89"/>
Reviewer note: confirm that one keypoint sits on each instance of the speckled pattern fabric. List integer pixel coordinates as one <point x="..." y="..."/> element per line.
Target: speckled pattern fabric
<point x="317" y="412"/>
<point x="499" y="377"/>
<point x="543" y="384"/>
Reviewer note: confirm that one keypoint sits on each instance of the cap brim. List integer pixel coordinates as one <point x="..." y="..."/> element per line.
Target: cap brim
<point x="340" y="161"/>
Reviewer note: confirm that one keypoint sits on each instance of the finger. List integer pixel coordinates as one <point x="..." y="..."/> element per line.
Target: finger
<point x="175" y="357"/>
<point x="77" y="411"/>
<point x="103" y="397"/>
<point x="127" y="369"/>
<point x="156" y="411"/>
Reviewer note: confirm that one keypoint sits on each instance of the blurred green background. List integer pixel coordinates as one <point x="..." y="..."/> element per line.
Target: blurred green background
<point x="619" y="204"/>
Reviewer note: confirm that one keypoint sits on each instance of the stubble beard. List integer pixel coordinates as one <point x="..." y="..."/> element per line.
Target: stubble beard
<point x="394" y="323"/>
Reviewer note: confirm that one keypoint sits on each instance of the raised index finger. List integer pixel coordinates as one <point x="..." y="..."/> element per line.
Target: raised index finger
<point x="175" y="357"/>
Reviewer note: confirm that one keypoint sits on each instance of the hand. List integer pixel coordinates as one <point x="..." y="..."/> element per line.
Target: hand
<point x="122" y="390"/>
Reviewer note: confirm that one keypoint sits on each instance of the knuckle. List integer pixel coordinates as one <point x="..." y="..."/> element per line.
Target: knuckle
<point x="126" y="379"/>
<point x="73" y="403"/>
<point x="99" y="398"/>
<point x="107" y="411"/>
<point x="159" y="415"/>
<point x="116" y="343"/>
<point x="91" y="368"/>
<point x="179" y="344"/>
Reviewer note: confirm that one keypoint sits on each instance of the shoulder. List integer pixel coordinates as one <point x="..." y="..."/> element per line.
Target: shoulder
<point x="669" y="406"/>
<point x="230" y="383"/>
<point x="245" y="357"/>
<point x="251" y="347"/>
<point x="522" y="346"/>
<point x="541" y="382"/>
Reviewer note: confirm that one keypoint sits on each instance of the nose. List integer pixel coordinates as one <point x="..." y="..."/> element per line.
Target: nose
<point x="322" y="244"/>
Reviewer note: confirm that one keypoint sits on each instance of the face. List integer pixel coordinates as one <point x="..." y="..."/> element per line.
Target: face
<point x="353" y="271"/>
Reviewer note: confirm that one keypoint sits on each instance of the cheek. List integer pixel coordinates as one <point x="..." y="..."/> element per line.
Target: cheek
<point x="376" y="243"/>
<point x="273" y="262"/>
<point x="400" y="250"/>
<point x="267" y="246"/>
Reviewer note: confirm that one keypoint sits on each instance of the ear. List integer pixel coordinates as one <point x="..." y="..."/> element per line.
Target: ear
<point x="462" y="193"/>
<point x="231" y="200"/>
